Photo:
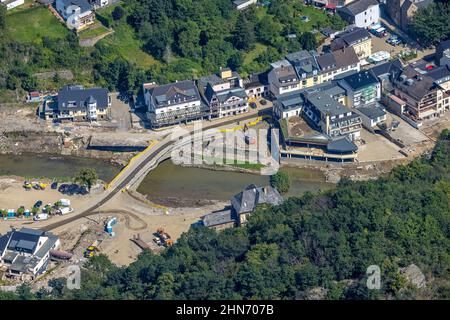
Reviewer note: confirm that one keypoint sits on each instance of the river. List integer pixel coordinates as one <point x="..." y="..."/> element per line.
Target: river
<point x="32" y="165"/>
<point x="168" y="183"/>
<point x="171" y="181"/>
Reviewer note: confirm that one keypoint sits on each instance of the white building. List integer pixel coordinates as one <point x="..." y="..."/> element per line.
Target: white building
<point x="26" y="253"/>
<point x="243" y="4"/>
<point x="77" y="13"/>
<point x="224" y="93"/>
<point x="282" y="78"/>
<point x="11" y="4"/>
<point x="361" y="13"/>
<point x="173" y="103"/>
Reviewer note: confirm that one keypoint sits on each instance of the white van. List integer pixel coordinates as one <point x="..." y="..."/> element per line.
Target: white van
<point x="40" y="216"/>
<point x="65" y="210"/>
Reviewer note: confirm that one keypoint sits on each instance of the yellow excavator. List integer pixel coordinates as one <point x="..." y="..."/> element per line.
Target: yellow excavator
<point x="90" y="251"/>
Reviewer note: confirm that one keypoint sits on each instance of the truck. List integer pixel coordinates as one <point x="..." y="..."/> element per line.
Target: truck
<point x="40" y="216"/>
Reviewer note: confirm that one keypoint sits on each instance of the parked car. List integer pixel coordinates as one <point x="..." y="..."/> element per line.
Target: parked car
<point x="63" y="188"/>
<point x="40" y="216"/>
<point x="65" y="210"/>
<point x="38" y="204"/>
<point x="394" y="40"/>
<point x="253" y="105"/>
<point x="54" y="185"/>
<point x="263" y="102"/>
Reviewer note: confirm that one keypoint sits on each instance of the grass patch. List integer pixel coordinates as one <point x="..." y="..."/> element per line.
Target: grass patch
<point x="253" y="54"/>
<point x="93" y="32"/>
<point x="30" y="25"/>
<point x="124" y="43"/>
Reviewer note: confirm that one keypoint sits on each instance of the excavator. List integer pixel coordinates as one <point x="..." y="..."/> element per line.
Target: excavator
<point x="165" y="237"/>
<point x="90" y="251"/>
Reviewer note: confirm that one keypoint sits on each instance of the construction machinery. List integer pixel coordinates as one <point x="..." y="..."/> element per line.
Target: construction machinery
<point x="91" y="250"/>
<point x="109" y="225"/>
<point x="164" y="237"/>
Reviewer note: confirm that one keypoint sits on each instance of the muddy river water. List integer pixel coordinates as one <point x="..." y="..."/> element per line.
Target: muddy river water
<point x="166" y="181"/>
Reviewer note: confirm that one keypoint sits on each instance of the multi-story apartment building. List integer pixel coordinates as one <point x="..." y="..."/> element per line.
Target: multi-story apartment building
<point x="418" y="91"/>
<point x="363" y="88"/>
<point x="306" y="67"/>
<point x="75" y="103"/>
<point x="357" y="38"/>
<point x="330" y="116"/>
<point x="224" y="93"/>
<point x="173" y="103"/>
<point x="333" y="64"/>
<point x="282" y="78"/>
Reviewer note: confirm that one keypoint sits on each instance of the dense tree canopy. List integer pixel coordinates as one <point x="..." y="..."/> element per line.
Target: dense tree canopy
<point x="431" y="25"/>
<point x="188" y="38"/>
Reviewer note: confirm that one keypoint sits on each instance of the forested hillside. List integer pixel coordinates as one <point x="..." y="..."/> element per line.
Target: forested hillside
<point x="157" y="40"/>
<point x="317" y="240"/>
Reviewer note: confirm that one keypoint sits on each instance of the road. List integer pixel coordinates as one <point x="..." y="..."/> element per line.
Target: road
<point x="135" y="169"/>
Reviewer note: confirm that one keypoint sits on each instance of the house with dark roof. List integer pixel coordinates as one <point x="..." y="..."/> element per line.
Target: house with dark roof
<point x="224" y="93"/>
<point x="372" y="115"/>
<point x="242" y="205"/>
<point x="421" y="94"/>
<point x="256" y="85"/>
<point x="385" y="72"/>
<point x="174" y="103"/>
<point x="306" y="66"/>
<point x="220" y="219"/>
<point x="361" y="13"/>
<point x="335" y="63"/>
<point x="357" y="38"/>
<point x="442" y="55"/>
<point x="78" y="14"/>
<point x="76" y="103"/>
<point x="245" y="202"/>
<point x="25" y="253"/>
<point x="282" y="78"/>
<point x="362" y="88"/>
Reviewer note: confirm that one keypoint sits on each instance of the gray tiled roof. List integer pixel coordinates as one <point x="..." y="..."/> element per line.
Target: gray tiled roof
<point x="337" y="59"/>
<point x="387" y="68"/>
<point x="75" y="98"/>
<point x="83" y="4"/>
<point x="289" y="100"/>
<point x="247" y="200"/>
<point x="326" y="104"/>
<point x="218" y="218"/>
<point x="372" y="112"/>
<point x="358" y="6"/>
<point x="440" y="73"/>
<point x="172" y="92"/>
<point x="341" y="145"/>
<point x="419" y="88"/>
<point x="360" y="80"/>
<point x="349" y="37"/>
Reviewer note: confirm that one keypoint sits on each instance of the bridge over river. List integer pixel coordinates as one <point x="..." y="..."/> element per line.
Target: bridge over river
<point x="139" y="167"/>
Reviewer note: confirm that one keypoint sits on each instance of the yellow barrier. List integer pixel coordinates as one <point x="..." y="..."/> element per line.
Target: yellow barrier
<point x="250" y="124"/>
<point x="152" y="143"/>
